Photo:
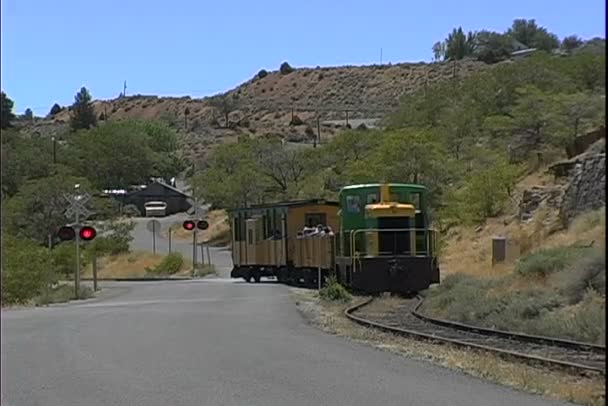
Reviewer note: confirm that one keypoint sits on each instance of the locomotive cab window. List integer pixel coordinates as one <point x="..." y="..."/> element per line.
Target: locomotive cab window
<point x="353" y="204"/>
<point x="372" y="198"/>
<point x="415" y="200"/>
<point x="314" y="219"/>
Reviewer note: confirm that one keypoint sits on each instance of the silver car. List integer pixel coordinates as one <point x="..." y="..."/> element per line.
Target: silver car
<point x="156" y="209"/>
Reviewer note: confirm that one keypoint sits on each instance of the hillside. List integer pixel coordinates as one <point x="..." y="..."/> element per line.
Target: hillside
<point x="265" y="104"/>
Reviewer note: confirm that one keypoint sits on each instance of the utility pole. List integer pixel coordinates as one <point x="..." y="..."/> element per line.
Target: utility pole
<point x="380" y="56"/>
<point x="124" y="89"/>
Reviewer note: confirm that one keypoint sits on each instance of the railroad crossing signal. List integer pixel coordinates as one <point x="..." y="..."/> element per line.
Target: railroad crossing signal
<point x="190" y="225"/>
<point x="68" y="233"/>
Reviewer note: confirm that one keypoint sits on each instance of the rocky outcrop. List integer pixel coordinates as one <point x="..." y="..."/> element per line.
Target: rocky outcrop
<point x="586" y="187"/>
<point x="580" y="187"/>
<point x="537" y="197"/>
<point x="583" y="142"/>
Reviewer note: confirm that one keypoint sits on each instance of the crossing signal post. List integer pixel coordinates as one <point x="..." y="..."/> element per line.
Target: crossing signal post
<point x="79" y="212"/>
<point x="194" y="225"/>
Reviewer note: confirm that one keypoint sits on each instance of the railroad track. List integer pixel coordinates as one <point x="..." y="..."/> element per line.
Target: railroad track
<point x="572" y="355"/>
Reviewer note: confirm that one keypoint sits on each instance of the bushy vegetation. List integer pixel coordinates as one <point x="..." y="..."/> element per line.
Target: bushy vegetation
<point x="286" y="68"/>
<point x="170" y="265"/>
<point x="115" y="155"/>
<point x="334" y="291"/>
<point x="25" y="269"/>
<point x="546" y="261"/>
<point x="492" y="47"/>
<point x="569" y="303"/>
<point x="262" y="74"/>
<point x="461" y="138"/>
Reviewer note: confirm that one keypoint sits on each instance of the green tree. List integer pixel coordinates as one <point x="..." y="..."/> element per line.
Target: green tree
<point x="115" y="155"/>
<point x="459" y="126"/>
<point x="6" y="109"/>
<point x="488" y="189"/>
<point x="573" y="114"/>
<point x="224" y="105"/>
<point x="232" y="178"/>
<point x="524" y="31"/>
<point x="530" y="34"/>
<point x="23" y="159"/>
<point x="55" y="110"/>
<point x="83" y="113"/>
<point x="531" y="110"/>
<point x="28" y="115"/>
<point x="439" y="49"/>
<point x="38" y="208"/>
<point x="459" y="45"/>
<point x="492" y="47"/>
<point x="571" y="42"/>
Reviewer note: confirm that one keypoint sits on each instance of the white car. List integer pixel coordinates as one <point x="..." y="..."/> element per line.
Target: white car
<point x="156" y="209"/>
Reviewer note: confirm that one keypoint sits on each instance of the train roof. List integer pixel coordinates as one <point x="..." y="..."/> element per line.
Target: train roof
<point x="368" y="185"/>
<point x="291" y="203"/>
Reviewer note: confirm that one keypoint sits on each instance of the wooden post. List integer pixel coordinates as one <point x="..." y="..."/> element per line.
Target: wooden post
<point x="203" y="254"/>
<point x="208" y="255"/>
<point x="94" y="272"/>
<point x="318" y="132"/>
<point x="48" y="272"/>
<point x="170" y="230"/>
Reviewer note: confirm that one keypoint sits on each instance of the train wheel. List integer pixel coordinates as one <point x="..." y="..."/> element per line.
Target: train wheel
<point x="257" y="277"/>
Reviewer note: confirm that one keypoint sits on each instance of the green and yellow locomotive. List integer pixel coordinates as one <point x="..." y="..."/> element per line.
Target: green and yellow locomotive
<point x="377" y="238"/>
<point x="385" y="242"/>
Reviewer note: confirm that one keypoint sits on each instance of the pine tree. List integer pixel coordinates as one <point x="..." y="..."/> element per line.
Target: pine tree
<point x="6" y="106"/>
<point x="83" y="114"/>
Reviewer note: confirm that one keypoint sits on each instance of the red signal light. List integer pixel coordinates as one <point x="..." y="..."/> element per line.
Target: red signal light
<point x="189" y="225"/>
<point x="66" y="233"/>
<point x="87" y="233"/>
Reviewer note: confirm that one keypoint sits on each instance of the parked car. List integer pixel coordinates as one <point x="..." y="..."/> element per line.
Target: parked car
<point x="155" y="209"/>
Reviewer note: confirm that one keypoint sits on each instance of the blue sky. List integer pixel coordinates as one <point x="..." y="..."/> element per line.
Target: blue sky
<point x="187" y="47"/>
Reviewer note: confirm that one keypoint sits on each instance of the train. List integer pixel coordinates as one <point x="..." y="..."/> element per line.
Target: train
<point x="376" y="238"/>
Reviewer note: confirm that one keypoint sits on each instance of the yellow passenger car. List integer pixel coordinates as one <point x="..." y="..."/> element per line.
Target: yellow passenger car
<point x="266" y="240"/>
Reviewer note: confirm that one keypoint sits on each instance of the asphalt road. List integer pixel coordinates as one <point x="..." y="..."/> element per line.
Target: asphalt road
<point x="143" y="241"/>
<point x="211" y="342"/>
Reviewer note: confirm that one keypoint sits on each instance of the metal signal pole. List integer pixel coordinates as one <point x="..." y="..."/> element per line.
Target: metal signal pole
<point x="77" y="209"/>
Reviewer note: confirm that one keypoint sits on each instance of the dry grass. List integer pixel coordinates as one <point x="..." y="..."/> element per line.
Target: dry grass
<point x="588" y="390"/>
<point x="469" y="250"/>
<point x="131" y="265"/>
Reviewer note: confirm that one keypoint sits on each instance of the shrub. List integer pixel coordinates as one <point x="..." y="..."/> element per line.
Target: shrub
<point x="334" y="291"/>
<point x="546" y="261"/>
<point x="63" y="259"/>
<point x="286" y="68"/>
<point x="63" y="293"/>
<point x="576" y="279"/>
<point x="131" y="210"/>
<point x="24" y="269"/>
<point x="170" y="264"/>
<point x="296" y="120"/>
<point x="116" y="242"/>
<point x="584" y="322"/>
<point x="262" y="74"/>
